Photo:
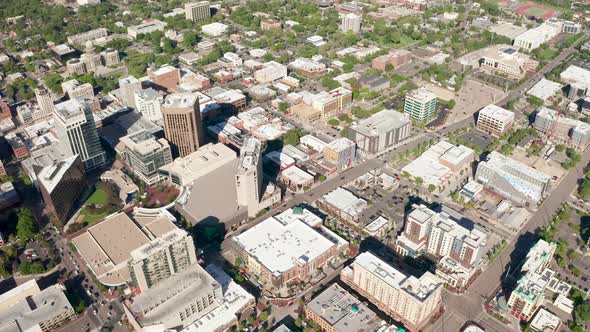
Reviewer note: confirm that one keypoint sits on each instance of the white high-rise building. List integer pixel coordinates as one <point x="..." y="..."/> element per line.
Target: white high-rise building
<point x="249" y="175"/>
<point x="128" y="86"/>
<point x="197" y="11"/>
<point x="77" y="134"/>
<point x="148" y="102"/>
<point x="351" y="22"/>
<point x="45" y="102"/>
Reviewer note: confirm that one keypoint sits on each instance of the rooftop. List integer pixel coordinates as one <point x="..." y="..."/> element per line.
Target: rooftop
<point x="341" y="144"/>
<point x="181" y="100"/>
<point x="381" y="122"/>
<point x="545" y="89"/>
<point x="297" y="175"/>
<point x="422" y="94"/>
<point x="106" y="247"/>
<point x="51" y="175"/>
<point x="280" y="245"/>
<point x="235" y="299"/>
<point x="419" y="288"/>
<point x="345" y="201"/>
<point x="342" y="311"/>
<point x="201" y="162"/>
<point x="39" y="306"/>
<point x="545" y="321"/>
<point x="497" y="112"/>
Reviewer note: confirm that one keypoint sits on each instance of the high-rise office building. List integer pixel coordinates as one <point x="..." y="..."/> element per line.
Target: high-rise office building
<point x="410" y="300"/>
<point x="129" y="86"/>
<point x="351" y="22"/>
<point x="249" y="175"/>
<point x="182" y="123"/>
<point x="144" y="155"/>
<point x="197" y="11"/>
<point x="420" y="104"/>
<point x="62" y="184"/>
<point x="77" y="134"/>
<point x="158" y="260"/>
<point x="45" y="102"/>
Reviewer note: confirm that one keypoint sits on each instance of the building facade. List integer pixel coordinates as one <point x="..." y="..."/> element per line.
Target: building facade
<point x="381" y="131"/>
<point x="144" y="155"/>
<point x="512" y="179"/>
<point x="495" y="120"/>
<point x="182" y="123"/>
<point x="410" y="300"/>
<point x="351" y="22"/>
<point x="420" y="104"/>
<point x="571" y="132"/>
<point x="148" y="103"/>
<point x="161" y="258"/>
<point x="45" y="103"/>
<point x="341" y="153"/>
<point x="77" y="134"/>
<point x="129" y="86"/>
<point x="62" y="185"/>
<point x="197" y="11"/>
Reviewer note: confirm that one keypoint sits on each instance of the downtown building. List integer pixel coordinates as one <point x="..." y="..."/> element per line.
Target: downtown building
<point x="129" y="86"/>
<point x="571" y="132"/>
<point x="535" y="282"/>
<point x="249" y="179"/>
<point x="407" y="299"/>
<point x="289" y="247"/>
<point x="76" y="131"/>
<point x="45" y="103"/>
<point x="271" y="71"/>
<point x="512" y="179"/>
<point x="420" y="104"/>
<point x="28" y="308"/>
<point x="495" y="120"/>
<point x="506" y="60"/>
<point x="182" y="123"/>
<point x="341" y="153"/>
<point x="144" y="155"/>
<point x="62" y="184"/>
<point x="336" y="310"/>
<point x="381" y="131"/>
<point x="440" y="234"/>
<point x="197" y="11"/>
<point x="351" y="22"/>
<point x="91" y="35"/>
<point x="148" y="103"/>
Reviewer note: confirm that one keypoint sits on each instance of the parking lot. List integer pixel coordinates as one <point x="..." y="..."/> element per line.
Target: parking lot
<point x="477" y="138"/>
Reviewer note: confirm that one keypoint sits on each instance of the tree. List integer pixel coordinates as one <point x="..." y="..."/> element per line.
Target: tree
<point x="535" y="101"/>
<point x="238" y="261"/>
<point x="264" y="315"/>
<point x="431" y="187"/>
<point x="26" y="227"/>
<point x="333" y="122"/>
<point x="283" y="107"/>
<point x="190" y="39"/>
<point x="419" y="180"/>
<point x="583" y="312"/>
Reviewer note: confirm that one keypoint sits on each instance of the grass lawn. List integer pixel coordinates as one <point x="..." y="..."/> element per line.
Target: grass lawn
<point x="536" y="11"/>
<point x="92" y="218"/>
<point x="98" y="197"/>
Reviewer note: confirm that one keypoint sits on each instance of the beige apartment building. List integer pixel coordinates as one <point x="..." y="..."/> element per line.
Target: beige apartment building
<point x="410" y="300"/>
<point x="197" y="11"/>
<point x="28" y="308"/>
<point x="158" y="260"/>
<point x="182" y="123"/>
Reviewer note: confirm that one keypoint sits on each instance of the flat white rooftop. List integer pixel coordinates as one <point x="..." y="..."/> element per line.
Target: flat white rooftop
<point x="280" y="246"/>
<point x="497" y="112"/>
